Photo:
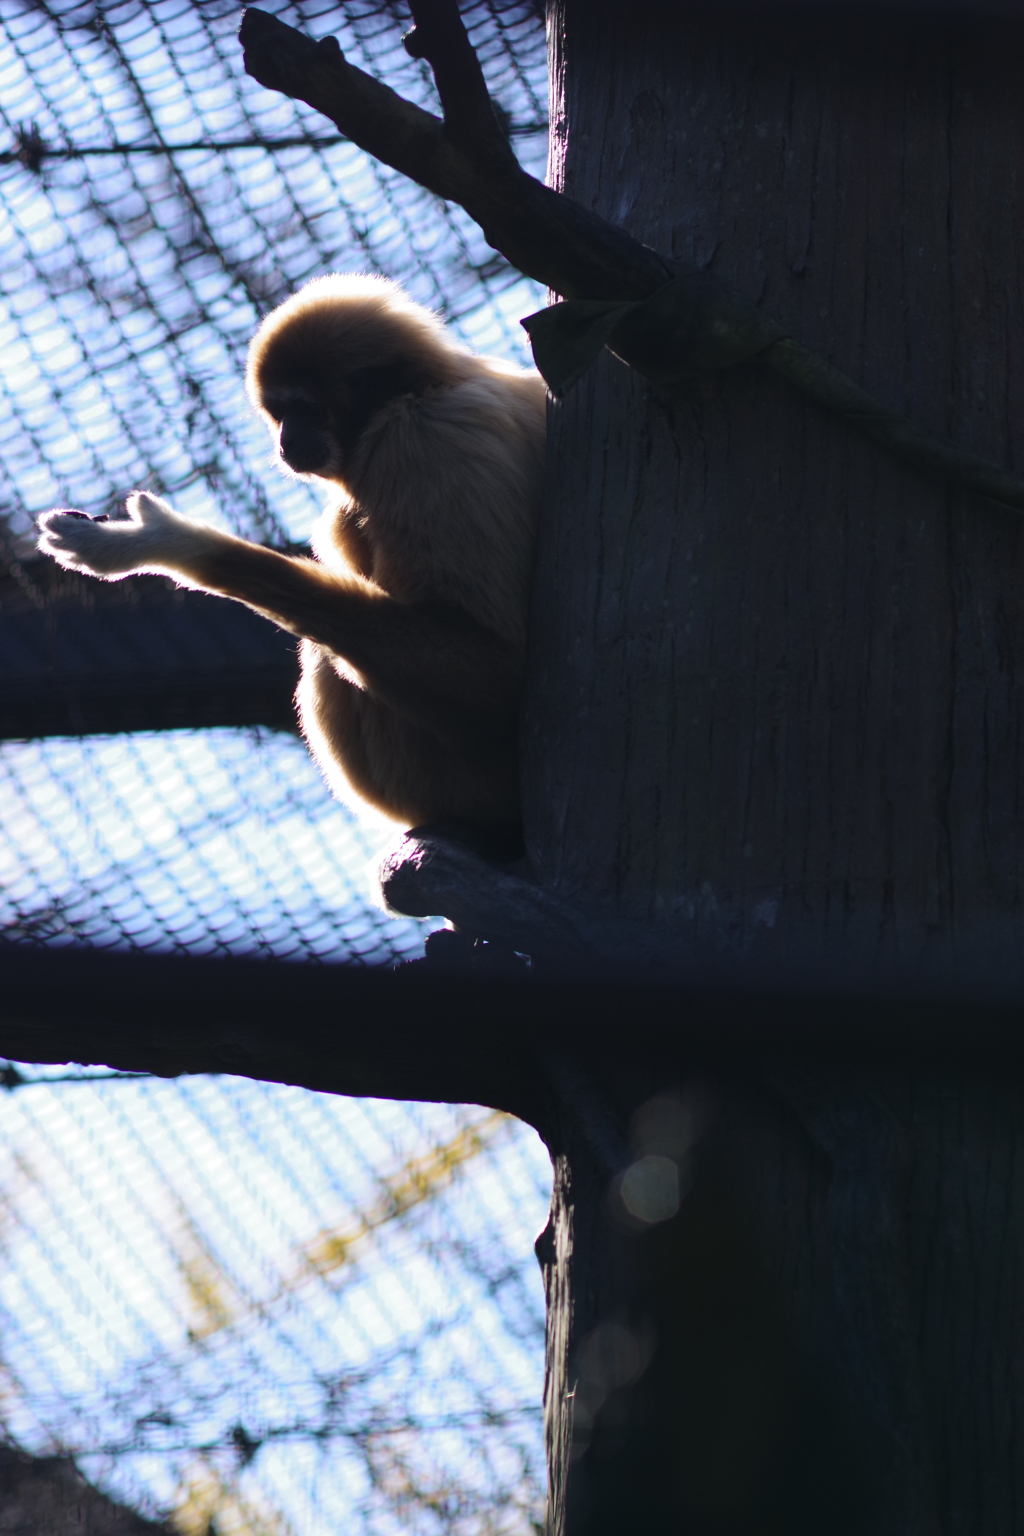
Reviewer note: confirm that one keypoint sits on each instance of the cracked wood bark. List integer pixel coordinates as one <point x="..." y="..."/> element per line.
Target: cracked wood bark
<point x="775" y="708"/>
<point x="783" y="669"/>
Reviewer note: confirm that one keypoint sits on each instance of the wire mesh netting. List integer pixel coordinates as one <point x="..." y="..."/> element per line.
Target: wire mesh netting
<point x="264" y="1311"/>
<point x="130" y="284"/>
<point x="218" y="842"/>
<point x="247" y="1308"/>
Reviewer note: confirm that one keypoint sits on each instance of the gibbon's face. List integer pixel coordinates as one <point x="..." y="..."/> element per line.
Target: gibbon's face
<point x="319" y="436"/>
<point x="306" y="442"/>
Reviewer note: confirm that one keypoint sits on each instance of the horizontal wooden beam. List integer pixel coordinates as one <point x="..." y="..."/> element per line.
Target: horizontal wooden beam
<point x="421" y="1032"/>
<point x="80" y="656"/>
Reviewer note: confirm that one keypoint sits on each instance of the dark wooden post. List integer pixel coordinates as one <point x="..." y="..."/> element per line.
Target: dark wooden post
<point x="775" y="712"/>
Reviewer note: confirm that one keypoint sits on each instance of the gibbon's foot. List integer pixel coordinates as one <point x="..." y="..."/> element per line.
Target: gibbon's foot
<point x="151" y="533"/>
<point x="499" y="842"/>
<point x="449" y="952"/>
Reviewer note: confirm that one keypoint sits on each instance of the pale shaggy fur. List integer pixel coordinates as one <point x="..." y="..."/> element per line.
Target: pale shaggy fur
<point x="413" y="615"/>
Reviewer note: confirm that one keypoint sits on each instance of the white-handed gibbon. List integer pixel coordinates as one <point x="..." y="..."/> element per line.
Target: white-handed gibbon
<point x="413" y="613"/>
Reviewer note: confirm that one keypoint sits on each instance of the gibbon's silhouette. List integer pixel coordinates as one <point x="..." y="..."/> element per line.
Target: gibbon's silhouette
<point x="413" y="613"/>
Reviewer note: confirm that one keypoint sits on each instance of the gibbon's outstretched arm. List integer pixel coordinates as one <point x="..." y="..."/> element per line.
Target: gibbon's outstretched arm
<point x="430" y="662"/>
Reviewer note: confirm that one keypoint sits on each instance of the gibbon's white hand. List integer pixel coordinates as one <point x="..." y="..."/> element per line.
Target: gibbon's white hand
<point x="144" y="541"/>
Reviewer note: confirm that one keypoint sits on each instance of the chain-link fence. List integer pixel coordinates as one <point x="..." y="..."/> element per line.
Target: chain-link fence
<point x="245" y="1308"/>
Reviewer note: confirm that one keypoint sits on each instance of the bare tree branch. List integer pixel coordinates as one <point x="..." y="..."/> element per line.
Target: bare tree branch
<point x="545" y="235"/>
<point x="469" y="116"/>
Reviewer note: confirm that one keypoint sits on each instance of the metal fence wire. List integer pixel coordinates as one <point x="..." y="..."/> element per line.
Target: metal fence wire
<point x="241" y="1307"/>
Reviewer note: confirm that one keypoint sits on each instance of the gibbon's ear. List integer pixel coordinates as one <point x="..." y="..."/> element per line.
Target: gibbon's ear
<point x="363" y="393"/>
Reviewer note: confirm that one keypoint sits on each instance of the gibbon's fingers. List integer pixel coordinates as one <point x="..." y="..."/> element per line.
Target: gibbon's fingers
<point x="149" y="511"/>
<point x="79" y="544"/>
<point x="144" y="541"/>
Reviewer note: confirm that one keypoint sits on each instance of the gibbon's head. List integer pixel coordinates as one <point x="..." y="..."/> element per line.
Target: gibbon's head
<point x="331" y="357"/>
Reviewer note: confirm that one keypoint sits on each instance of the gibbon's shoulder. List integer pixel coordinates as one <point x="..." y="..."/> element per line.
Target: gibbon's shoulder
<point x="449" y="488"/>
<point x="493" y="420"/>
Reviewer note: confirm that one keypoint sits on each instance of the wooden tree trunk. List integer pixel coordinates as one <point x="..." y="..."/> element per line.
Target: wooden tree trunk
<point x="775" y="709"/>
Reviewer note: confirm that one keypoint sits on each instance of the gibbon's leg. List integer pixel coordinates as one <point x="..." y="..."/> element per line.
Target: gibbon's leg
<point x="397" y="764"/>
<point x="431" y="663"/>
